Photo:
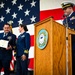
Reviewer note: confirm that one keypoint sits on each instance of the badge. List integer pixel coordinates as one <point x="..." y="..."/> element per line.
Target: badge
<point x="9" y="38"/>
<point x="42" y="38"/>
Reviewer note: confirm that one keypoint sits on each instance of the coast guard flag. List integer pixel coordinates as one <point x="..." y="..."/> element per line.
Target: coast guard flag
<point x="29" y="12"/>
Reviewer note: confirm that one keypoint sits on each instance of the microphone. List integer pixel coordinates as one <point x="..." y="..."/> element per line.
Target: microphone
<point x="66" y="18"/>
<point x="65" y="15"/>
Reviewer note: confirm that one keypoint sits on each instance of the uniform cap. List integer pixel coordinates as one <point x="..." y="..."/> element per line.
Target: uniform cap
<point x="66" y="5"/>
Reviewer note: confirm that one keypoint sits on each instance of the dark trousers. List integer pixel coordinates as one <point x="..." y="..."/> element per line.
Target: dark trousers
<point x="73" y="63"/>
<point x="73" y="54"/>
<point x="21" y="66"/>
<point x="4" y="63"/>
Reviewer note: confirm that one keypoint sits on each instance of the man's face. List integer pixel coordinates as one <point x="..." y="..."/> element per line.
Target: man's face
<point x="6" y="28"/>
<point x="67" y="11"/>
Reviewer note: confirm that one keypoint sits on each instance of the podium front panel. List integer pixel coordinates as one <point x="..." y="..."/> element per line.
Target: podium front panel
<point x="51" y="60"/>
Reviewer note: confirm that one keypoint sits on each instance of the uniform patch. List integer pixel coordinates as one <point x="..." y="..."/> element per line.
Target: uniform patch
<point x="23" y="36"/>
<point x="72" y="18"/>
<point x="9" y="37"/>
<point x="26" y="51"/>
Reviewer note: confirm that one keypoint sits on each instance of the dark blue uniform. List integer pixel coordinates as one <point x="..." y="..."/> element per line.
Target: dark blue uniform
<point x="23" y="46"/>
<point x="70" y="20"/>
<point x="6" y="55"/>
<point x="71" y="24"/>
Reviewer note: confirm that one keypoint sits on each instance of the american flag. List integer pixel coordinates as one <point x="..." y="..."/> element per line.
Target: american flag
<point x="29" y="12"/>
<point x="19" y="11"/>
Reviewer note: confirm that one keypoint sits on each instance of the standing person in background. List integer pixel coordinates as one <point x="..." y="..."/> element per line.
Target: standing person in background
<point x="23" y="46"/>
<point x="69" y="21"/>
<point x="6" y="53"/>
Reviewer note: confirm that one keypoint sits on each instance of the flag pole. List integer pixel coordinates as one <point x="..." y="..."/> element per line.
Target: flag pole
<point x="12" y="62"/>
<point x="10" y="22"/>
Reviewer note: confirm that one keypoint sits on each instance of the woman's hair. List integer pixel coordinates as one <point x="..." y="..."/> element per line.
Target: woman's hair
<point x="24" y="27"/>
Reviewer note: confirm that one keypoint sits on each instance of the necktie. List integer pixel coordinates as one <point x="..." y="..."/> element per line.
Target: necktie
<point x="4" y="35"/>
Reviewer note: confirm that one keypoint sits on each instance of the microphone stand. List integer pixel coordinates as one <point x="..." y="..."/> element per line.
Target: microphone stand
<point x="66" y="45"/>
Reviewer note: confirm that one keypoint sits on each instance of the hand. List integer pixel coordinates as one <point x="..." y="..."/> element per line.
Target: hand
<point x="8" y="48"/>
<point x="23" y="57"/>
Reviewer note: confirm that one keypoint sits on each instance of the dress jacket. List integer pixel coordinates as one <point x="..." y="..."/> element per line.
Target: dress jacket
<point x="11" y="38"/>
<point x="23" y="44"/>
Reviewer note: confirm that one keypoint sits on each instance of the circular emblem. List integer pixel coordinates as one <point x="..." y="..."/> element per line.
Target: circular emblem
<point x="42" y="38"/>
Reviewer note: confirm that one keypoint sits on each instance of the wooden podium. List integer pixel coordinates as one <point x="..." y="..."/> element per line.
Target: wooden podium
<point x="51" y="60"/>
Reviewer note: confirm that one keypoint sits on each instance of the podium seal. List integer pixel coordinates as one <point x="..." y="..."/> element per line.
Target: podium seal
<point x="42" y="38"/>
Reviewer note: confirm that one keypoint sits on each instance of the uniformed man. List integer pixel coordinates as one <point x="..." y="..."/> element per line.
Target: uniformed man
<point x="69" y="14"/>
<point x="69" y="21"/>
<point x="6" y="53"/>
<point x="23" y="46"/>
